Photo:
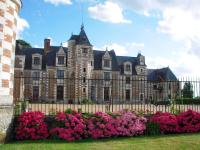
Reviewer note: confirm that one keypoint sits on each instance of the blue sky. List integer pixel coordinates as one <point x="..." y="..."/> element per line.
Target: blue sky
<point x="166" y="32"/>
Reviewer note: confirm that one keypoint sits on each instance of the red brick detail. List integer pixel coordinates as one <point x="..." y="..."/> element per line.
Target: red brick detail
<point x="9" y="23"/>
<point x="1" y="13"/>
<point x="5" y="83"/>
<point x="8" y="38"/>
<point x="10" y="10"/>
<point x="5" y="68"/>
<point x="7" y="53"/>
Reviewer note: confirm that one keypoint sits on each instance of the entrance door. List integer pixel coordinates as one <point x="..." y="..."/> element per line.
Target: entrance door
<point x="60" y="92"/>
<point x="35" y="93"/>
<point x="106" y="94"/>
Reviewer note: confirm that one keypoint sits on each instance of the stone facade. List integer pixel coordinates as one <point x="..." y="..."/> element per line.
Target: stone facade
<point x="77" y="72"/>
<point x="9" y="10"/>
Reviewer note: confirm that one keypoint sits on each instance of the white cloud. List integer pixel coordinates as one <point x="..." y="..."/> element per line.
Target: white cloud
<point x="108" y="12"/>
<point x="58" y="2"/>
<point x="22" y="24"/>
<point x="65" y="44"/>
<point x="127" y="49"/>
<point x="180" y="19"/>
<point x="182" y="63"/>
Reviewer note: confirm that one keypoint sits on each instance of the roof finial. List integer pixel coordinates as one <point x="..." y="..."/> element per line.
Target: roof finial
<point x="82" y="26"/>
<point x="61" y="44"/>
<point x="106" y="48"/>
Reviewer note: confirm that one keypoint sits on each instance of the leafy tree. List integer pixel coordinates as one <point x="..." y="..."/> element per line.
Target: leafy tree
<point x="23" y="44"/>
<point x="187" y="91"/>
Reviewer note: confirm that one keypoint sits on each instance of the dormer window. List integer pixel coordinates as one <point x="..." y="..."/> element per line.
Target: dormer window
<point x="36" y="61"/>
<point x="128" y="67"/>
<point x="106" y="63"/>
<point x="61" y="60"/>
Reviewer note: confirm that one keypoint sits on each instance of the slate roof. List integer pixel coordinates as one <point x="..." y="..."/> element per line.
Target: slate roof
<point x="82" y="38"/>
<point x="98" y="59"/>
<point x="161" y="74"/>
<point x="47" y="60"/>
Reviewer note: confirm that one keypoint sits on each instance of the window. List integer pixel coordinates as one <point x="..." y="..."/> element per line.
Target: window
<point x="84" y="80"/>
<point x="84" y="90"/>
<point x="155" y="87"/>
<point x="84" y="69"/>
<point x="61" y="60"/>
<point x="107" y="75"/>
<point x="107" y="63"/>
<point x="85" y="50"/>
<point x="106" y="94"/>
<point x="60" y="92"/>
<point x="60" y="73"/>
<point x="36" y="75"/>
<point x="91" y="63"/>
<point x="36" y="61"/>
<point x="128" y="95"/>
<point x="128" y="67"/>
<point x="169" y="86"/>
<point x="141" y="70"/>
<point x="141" y="96"/>
<point x="128" y="80"/>
<point x="35" y="93"/>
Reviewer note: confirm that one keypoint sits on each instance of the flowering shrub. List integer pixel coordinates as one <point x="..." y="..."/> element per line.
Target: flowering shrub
<point x="31" y="126"/>
<point x="168" y="122"/>
<point x="71" y="126"/>
<point x="101" y="125"/>
<point x="124" y="123"/>
<point x="188" y="121"/>
<point x="128" y="124"/>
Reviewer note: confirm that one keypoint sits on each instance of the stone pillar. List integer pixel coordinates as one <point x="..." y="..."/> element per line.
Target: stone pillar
<point x="9" y="10"/>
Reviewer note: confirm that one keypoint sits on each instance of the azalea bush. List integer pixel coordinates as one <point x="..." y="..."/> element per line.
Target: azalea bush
<point x="70" y="127"/>
<point x="184" y="122"/>
<point x="101" y="125"/>
<point x="129" y="124"/>
<point x="31" y="126"/>
<point x="189" y="122"/>
<point x="167" y="122"/>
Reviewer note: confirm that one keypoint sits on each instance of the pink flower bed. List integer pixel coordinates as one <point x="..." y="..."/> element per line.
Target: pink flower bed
<point x="72" y="126"/>
<point x="129" y="124"/>
<point x="31" y="126"/>
<point x="185" y="122"/>
<point x="75" y="126"/>
<point x="167" y="122"/>
<point x="98" y="125"/>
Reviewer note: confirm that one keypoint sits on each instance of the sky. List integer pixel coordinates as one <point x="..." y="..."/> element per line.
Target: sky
<point x="166" y="32"/>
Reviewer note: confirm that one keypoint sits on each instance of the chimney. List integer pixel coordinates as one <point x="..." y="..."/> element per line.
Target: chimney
<point x="47" y="43"/>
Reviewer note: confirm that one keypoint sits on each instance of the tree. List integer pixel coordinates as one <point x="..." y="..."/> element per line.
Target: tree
<point x="187" y="91"/>
<point x="23" y="44"/>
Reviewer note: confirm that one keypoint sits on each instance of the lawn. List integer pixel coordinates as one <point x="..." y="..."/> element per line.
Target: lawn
<point x="172" y="142"/>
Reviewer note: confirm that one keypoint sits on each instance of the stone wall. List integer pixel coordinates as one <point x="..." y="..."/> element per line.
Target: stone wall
<point x="9" y="10"/>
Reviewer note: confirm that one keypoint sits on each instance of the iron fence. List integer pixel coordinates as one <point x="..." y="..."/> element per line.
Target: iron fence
<point x="50" y="95"/>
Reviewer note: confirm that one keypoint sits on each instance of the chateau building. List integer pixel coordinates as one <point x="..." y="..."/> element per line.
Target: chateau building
<point x="77" y="72"/>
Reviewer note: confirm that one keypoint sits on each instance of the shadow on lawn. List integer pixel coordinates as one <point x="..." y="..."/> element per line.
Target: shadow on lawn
<point x="114" y="139"/>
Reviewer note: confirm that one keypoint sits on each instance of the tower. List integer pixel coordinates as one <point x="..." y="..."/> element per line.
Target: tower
<point x="80" y="64"/>
<point x="9" y="10"/>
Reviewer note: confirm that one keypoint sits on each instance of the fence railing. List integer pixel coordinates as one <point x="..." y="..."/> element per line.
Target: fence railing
<point x="50" y="95"/>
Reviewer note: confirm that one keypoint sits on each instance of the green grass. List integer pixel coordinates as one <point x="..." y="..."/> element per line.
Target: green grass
<point x="168" y="142"/>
